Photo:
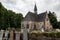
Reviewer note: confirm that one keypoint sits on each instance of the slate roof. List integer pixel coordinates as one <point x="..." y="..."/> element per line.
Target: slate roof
<point x="42" y="16"/>
<point x="34" y="17"/>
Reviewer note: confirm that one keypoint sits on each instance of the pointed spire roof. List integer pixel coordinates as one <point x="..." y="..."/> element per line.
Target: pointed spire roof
<point x="35" y="8"/>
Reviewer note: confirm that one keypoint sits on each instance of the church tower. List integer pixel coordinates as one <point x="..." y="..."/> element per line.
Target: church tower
<point x="35" y="9"/>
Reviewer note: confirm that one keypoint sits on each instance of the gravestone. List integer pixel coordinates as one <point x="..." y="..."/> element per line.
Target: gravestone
<point x="6" y="35"/>
<point x="11" y="35"/>
<point x="25" y="35"/>
<point x="17" y="35"/>
<point x="1" y="34"/>
<point x="42" y="29"/>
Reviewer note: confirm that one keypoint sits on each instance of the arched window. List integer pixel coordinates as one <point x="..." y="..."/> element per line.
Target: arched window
<point x="34" y="26"/>
<point x="27" y="25"/>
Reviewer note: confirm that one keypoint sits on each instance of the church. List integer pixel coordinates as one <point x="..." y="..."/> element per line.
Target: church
<point x="34" y="21"/>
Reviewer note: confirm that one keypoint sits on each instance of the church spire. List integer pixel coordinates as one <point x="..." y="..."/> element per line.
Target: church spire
<point x="35" y="9"/>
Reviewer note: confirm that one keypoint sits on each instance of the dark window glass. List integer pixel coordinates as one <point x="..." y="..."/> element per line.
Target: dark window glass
<point x="27" y="25"/>
<point x="34" y="26"/>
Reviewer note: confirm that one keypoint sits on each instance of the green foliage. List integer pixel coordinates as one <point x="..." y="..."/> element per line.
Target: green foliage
<point x="53" y="20"/>
<point x="58" y="25"/>
<point x="9" y="18"/>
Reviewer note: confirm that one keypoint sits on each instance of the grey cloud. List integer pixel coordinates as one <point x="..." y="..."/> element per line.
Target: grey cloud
<point x="11" y="1"/>
<point x="25" y="5"/>
<point x="57" y="7"/>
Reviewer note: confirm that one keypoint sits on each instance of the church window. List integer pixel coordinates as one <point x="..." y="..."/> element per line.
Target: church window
<point x="27" y="25"/>
<point x="47" y="19"/>
<point x="47" y="27"/>
<point x="34" y="26"/>
<point x="50" y="28"/>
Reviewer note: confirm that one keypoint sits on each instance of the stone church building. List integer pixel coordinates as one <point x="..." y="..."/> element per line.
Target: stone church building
<point x="34" y="21"/>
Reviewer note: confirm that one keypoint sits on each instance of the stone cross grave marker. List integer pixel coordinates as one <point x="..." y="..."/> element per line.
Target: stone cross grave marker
<point x="17" y="35"/>
<point x="11" y="35"/>
<point x="25" y="35"/>
<point x="6" y="35"/>
<point x="1" y="34"/>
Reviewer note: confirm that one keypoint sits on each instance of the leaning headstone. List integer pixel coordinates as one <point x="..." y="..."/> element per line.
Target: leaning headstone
<point x="25" y="35"/>
<point x="6" y="35"/>
<point x="11" y="35"/>
<point x="17" y="35"/>
<point x="1" y="34"/>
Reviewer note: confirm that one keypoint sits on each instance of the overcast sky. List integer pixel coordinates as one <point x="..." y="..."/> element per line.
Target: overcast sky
<point x="23" y="6"/>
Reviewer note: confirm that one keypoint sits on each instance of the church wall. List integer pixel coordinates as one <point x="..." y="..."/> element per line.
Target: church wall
<point x="30" y="23"/>
<point x="48" y="26"/>
<point x="40" y="24"/>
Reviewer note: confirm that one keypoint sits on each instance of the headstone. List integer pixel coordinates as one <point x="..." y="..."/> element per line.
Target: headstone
<point x="1" y="34"/>
<point x="17" y="35"/>
<point x="25" y="35"/>
<point x="11" y="35"/>
<point x="6" y="35"/>
<point x="42" y="30"/>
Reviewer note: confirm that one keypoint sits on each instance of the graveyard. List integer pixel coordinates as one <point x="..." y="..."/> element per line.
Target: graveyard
<point x="33" y="35"/>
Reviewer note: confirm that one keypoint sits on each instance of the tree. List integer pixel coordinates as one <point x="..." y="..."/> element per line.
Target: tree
<point x="19" y="17"/>
<point x="2" y="12"/>
<point x="8" y="18"/>
<point x="53" y="19"/>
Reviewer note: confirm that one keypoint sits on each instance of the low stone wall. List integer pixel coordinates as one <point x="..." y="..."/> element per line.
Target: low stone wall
<point x="44" y="36"/>
<point x="41" y="36"/>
